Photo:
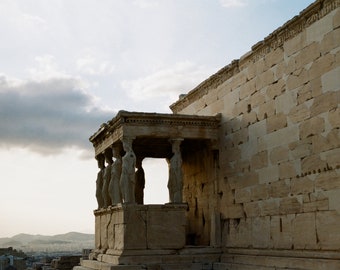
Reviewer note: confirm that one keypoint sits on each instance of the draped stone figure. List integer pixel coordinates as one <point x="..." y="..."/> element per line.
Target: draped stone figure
<point x="140" y="182"/>
<point x="116" y="171"/>
<point x="175" y="183"/>
<point x="127" y="179"/>
<point x="99" y="182"/>
<point x="106" y="180"/>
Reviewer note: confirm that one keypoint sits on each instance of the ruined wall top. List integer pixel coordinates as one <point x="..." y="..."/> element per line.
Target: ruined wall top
<point x="290" y="29"/>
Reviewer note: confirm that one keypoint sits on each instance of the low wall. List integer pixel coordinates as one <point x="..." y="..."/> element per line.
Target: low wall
<point x="139" y="227"/>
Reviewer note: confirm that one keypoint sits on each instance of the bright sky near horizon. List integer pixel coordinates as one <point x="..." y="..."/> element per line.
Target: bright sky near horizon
<point x="69" y="65"/>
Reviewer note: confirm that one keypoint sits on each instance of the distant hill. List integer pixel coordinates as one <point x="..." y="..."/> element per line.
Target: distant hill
<point x="72" y="241"/>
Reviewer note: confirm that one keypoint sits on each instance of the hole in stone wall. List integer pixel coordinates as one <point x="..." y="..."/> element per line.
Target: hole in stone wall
<point x="156" y="181"/>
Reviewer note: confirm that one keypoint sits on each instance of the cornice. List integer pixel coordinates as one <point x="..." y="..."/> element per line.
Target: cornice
<point x="290" y="29"/>
<point x="125" y="118"/>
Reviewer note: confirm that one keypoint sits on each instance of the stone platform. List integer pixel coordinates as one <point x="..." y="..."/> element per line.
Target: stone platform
<point x="187" y="258"/>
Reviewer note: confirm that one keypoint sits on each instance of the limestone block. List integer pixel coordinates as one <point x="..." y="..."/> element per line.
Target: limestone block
<point x="224" y="88"/>
<point x="261" y="232"/>
<point x="237" y="232"/>
<point x="240" y="137"/>
<point x="281" y="137"/>
<point x="299" y="113"/>
<point x="268" y="174"/>
<point x="322" y="143"/>
<point x="330" y="80"/>
<point x="278" y="154"/>
<point x="111" y="234"/>
<point x="307" y="55"/>
<point x="264" y="79"/>
<point x="266" y="110"/>
<point x="258" y="129"/>
<point x="327" y="180"/>
<point x="240" y="107"/>
<point x="239" y="79"/>
<point x="281" y="231"/>
<point x="247" y="89"/>
<point x="312" y="164"/>
<point x="336" y="19"/>
<point x="249" y="118"/>
<point x="330" y="41"/>
<point x="280" y="189"/>
<point x="301" y="148"/>
<point x="312" y="126"/>
<point x="230" y="155"/>
<point x="119" y="236"/>
<point x="301" y="185"/>
<point x="328" y="229"/>
<point x="252" y="209"/>
<point x="275" y="89"/>
<point x="233" y="211"/>
<point x="97" y="232"/>
<point x="242" y="166"/>
<point x="333" y="118"/>
<point x="331" y="158"/>
<point x="318" y="29"/>
<point x="258" y="98"/>
<point x="104" y="220"/>
<point x="294" y="44"/>
<point x="249" y="149"/>
<point x="274" y="57"/>
<point x="316" y="206"/>
<point x="259" y="192"/>
<point x="320" y="66"/>
<point x="304" y="93"/>
<point x="269" y="207"/>
<point x="334" y="199"/>
<point x="289" y="169"/>
<point x="217" y="107"/>
<point x="242" y="195"/>
<point x="160" y="234"/>
<point x="318" y="195"/>
<point x="236" y="123"/>
<point x="297" y="78"/>
<point x="290" y="205"/>
<point x="229" y="100"/>
<point x="259" y="160"/>
<point x="276" y="122"/>
<point x="304" y="231"/>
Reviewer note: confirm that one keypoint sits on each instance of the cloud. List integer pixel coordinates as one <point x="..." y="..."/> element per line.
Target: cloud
<point x="48" y="116"/>
<point x="88" y="63"/>
<point x="167" y="83"/>
<point x="233" y="3"/>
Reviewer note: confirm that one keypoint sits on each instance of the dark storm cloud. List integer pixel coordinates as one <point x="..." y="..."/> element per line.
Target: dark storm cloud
<point x="48" y="116"/>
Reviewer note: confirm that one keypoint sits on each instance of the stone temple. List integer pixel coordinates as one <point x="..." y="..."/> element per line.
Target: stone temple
<point x="254" y="163"/>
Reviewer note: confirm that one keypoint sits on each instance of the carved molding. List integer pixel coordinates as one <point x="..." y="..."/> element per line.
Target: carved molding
<point x="290" y="29"/>
<point x="112" y="131"/>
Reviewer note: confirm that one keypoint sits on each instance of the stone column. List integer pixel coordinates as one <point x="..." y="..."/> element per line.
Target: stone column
<point x="116" y="171"/>
<point x="99" y="182"/>
<point x="139" y="182"/>
<point x="127" y="179"/>
<point x="107" y="178"/>
<point x="175" y="183"/>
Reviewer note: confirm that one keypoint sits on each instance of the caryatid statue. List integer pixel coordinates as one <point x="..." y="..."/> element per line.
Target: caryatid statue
<point x="127" y="178"/>
<point x="116" y="171"/>
<point x="140" y="182"/>
<point x="106" y="179"/>
<point x="175" y="183"/>
<point x="99" y="182"/>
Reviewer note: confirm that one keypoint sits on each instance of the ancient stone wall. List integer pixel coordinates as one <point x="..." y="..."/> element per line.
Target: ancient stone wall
<point x="279" y="157"/>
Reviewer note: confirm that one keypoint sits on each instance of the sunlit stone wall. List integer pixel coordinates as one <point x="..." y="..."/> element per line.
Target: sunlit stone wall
<point x="278" y="183"/>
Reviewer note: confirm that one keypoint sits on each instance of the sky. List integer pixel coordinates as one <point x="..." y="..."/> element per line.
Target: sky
<point x="67" y="66"/>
